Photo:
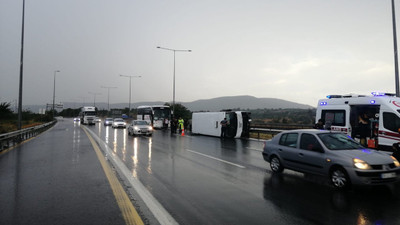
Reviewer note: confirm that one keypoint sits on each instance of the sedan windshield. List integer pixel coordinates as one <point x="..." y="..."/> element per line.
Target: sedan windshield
<point x="140" y="122"/>
<point x="118" y="120"/>
<point x="338" y="141"/>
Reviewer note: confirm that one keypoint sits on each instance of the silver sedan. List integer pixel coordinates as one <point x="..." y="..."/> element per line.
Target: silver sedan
<point x="140" y="127"/>
<point x="330" y="154"/>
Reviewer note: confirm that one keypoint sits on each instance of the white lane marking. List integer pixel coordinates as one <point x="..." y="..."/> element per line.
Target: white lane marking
<point x="254" y="149"/>
<point x="221" y="160"/>
<point x="159" y="212"/>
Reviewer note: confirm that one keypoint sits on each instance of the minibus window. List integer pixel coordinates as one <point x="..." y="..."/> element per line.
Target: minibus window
<point x="391" y="121"/>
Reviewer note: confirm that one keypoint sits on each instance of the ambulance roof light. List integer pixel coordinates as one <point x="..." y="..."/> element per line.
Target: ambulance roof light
<point x="377" y="93"/>
<point x="333" y="96"/>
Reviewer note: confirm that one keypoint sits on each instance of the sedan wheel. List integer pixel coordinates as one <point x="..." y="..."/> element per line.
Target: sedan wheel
<point x="276" y="165"/>
<point x="339" y="178"/>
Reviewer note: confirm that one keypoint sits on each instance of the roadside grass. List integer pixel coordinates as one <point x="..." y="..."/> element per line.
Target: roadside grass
<point x="11" y="125"/>
<point x="261" y="136"/>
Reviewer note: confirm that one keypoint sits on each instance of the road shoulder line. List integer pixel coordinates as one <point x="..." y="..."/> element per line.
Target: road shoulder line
<point x="129" y="212"/>
<point x="159" y="212"/>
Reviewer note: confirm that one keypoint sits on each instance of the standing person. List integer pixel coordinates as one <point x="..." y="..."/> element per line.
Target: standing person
<point x="363" y="124"/>
<point x="181" y="123"/>
<point x="173" y="126"/>
<point x="224" y="125"/>
<point x="319" y="125"/>
<point x="166" y="123"/>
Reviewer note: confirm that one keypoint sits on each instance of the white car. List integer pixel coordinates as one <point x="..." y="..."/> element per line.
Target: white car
<point x="118" y="122"/>
<point x="138" y="127"/>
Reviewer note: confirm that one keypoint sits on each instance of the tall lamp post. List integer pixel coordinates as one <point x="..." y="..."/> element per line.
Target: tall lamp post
<point x="54" y="89"/>
<point x="130" y="83"/>
<point x="94" y="100"/>
<point x="108" y="95"/>
<point x="396" y="64"/>
<point x="173" y="95"/>
<point x="21" y="69"/>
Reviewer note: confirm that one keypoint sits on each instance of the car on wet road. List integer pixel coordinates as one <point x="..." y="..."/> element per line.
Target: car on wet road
<point x="118" y="123"/>
<point x="140" y="127"/>
<point x="108" y="121"/>
<point x="330" y="154"/>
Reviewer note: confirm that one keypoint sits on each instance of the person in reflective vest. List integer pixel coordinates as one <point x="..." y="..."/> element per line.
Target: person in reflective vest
<point x="181" y="124"/>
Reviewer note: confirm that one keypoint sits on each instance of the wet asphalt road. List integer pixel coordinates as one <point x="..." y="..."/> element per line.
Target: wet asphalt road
<point x="205" y="180"/>
<point x="198" y="179"/>
<point x="56" y="178"/>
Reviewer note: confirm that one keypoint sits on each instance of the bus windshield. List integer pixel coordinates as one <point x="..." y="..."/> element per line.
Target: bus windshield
<point x="161" y="113"/>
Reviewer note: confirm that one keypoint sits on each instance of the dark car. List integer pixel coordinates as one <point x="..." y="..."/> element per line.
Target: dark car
<point x="108" y="121"/>
<point x="330" y="154"/>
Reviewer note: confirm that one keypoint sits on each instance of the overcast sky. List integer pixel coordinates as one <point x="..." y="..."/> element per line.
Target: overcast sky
<point x="294" y="50"/>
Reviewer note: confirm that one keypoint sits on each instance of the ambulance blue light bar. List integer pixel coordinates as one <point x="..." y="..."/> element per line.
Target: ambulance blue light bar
<point x="377" y="93"/>
<point x="333" y="96"/>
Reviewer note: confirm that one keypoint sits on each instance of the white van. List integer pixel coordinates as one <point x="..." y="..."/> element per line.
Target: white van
<point x="382" y="110"/>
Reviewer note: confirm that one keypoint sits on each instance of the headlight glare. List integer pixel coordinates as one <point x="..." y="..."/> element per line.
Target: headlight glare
<point x="396" y="163"/>
<point x="361" y="164"/>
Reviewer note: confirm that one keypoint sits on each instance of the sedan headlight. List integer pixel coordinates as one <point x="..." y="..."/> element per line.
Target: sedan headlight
<point x="136" y="128"/>
<point x="361" y="164"/>
<point x="396" y="163"/>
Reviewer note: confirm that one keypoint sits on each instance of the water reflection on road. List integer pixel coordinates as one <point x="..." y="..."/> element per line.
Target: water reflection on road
<point x="207" y="187"/>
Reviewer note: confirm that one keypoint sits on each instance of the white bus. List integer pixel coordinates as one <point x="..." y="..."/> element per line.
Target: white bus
<point x="159" y="116"/>
<point x="208" y="123"/>
<point x="87" y="115"/>
<point x="342" y="113"/>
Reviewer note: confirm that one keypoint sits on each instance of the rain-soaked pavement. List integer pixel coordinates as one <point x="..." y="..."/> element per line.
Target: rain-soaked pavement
<point x="198" y="180"/>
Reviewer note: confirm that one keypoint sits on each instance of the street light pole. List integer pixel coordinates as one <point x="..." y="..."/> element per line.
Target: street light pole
<point x="54" y="89"/>
<point x="108" y="95"/>
<point x="173" y="91"/>
<point x="21" y="69"/>
<point x="396" y="64"/>
<point x="130" y="84"/>
<point x="94" y="100"/>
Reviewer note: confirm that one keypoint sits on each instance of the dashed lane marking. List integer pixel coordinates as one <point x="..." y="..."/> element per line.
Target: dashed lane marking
<point x="212" y="157"/>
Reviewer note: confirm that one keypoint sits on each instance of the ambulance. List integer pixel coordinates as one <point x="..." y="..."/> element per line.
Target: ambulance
<point x="344" y="112"/>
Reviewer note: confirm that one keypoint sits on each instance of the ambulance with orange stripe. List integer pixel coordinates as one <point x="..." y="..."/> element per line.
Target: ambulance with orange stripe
<point x="381" y="111"/>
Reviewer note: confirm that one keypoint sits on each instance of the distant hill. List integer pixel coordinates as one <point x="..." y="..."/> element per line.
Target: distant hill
<point x="214" y="104"/>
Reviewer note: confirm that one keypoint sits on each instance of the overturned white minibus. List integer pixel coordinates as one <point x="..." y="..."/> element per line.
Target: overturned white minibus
<point x="208" y="123"/>
<point x="381" y="110"/>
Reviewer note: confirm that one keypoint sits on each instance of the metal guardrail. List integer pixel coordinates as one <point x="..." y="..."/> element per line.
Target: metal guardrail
<point x="274" y="129"/>
<point x="8" y="140"/>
